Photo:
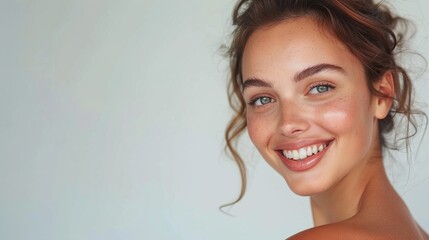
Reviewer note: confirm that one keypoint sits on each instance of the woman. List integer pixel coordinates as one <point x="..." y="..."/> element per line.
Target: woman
<point x="317" y="86"/>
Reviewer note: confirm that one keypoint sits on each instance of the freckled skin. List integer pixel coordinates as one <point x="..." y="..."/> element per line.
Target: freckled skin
<point x="349" y="191"/>
<point x="336" y="115"/>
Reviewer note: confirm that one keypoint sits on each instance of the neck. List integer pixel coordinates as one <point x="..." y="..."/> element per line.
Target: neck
<point x="343" y="200"/>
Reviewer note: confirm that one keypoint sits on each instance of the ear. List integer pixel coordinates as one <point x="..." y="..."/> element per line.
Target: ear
<point x="386" y="86"/>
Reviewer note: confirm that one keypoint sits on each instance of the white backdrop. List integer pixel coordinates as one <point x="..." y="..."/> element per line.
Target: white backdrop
<point x="112" y="119"/>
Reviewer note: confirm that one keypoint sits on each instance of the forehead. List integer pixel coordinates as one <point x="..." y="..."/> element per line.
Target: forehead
<point x="292" y="45"/>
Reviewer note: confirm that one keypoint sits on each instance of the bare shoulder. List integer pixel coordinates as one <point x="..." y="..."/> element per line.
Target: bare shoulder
<point x="346" y="230"/>
<point x="336" y="231"/>
<point x="423" y="233"/>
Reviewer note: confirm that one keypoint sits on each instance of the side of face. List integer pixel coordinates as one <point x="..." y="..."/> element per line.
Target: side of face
<point x="304" y="88"/>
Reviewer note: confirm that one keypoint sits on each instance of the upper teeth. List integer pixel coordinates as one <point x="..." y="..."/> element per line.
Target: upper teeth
<point x="304" y="152"/>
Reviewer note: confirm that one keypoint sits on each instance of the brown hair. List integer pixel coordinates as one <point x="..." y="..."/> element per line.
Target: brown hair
<point x="369" y="30"/>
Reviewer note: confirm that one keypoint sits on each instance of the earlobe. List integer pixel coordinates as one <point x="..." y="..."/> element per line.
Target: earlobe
<point x="385" y="85"/>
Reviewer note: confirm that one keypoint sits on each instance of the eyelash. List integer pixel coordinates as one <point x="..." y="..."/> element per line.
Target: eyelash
<point x="321" y="84"/>
<point x="253" y="101"/>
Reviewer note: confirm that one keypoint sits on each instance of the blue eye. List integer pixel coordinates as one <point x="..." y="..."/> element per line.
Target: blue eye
<point x="260" y="101"/>
<point x="320" y="88"/>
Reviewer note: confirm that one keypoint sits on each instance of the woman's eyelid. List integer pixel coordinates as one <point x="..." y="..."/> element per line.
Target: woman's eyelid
<point x="253" y="101"/>
<point x="256" y="98"/>
<point x="253" y="95"/>
<point x="321" y="82"/>
<point x="329" y="84"/>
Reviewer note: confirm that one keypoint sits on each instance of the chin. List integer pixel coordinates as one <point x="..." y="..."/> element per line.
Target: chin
<point x="307" y="188"/>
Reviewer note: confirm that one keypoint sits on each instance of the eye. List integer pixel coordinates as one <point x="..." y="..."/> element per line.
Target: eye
<point x="320" y="88"/>
<point x="260" y="101"/>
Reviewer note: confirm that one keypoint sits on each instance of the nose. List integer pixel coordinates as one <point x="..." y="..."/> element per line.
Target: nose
<point x="293" y="119"/>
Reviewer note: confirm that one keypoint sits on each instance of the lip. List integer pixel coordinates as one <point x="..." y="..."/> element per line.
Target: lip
<point x="309" y="162"/>
<point x="302" y="143"/>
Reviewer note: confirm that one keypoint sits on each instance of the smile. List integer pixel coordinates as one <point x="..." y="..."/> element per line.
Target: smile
<point x="305" y="152"/>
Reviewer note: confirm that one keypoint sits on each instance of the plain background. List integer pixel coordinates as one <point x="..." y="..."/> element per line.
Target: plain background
<point x="112" y="119"/>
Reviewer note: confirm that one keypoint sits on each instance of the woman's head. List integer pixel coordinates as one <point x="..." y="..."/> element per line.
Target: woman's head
<point x="309" y="111"/>
<point x="364" y="29"/>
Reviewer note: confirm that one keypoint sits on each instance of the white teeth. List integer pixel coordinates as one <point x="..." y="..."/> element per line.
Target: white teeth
<point x="288" y="154"/>
<point x="314" y="149"/>
<point x="304" y="152"/>
<point x="309" y="151"/>
<point x="295" y="154"/>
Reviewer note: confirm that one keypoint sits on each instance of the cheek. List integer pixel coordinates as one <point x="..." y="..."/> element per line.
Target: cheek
<point x="345" y="115"/>
<point x="255" y="128"/>
<point x="261" y="127"/>
<point x="337" y="114"/>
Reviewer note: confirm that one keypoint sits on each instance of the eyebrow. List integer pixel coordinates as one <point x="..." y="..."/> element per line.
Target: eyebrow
<point x="255" y="82"/>
<point x="312" y="70"/>
<point x="308" y="72"/>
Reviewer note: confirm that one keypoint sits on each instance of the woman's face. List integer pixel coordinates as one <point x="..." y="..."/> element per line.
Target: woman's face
<point x="310" y="113"/>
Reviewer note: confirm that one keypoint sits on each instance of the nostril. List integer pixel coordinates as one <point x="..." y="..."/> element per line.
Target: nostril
<point x="296" y="131"/>
<point x="293" y="128"/>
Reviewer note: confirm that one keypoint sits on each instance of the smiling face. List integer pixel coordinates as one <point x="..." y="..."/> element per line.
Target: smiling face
<point x="310" y="113"/>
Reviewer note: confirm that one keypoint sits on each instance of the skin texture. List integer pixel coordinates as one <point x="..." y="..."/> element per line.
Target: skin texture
<point x="351" y="197"/>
